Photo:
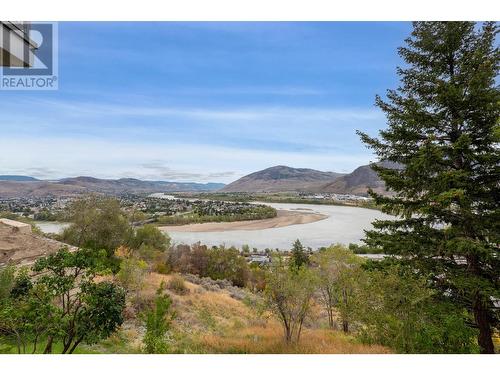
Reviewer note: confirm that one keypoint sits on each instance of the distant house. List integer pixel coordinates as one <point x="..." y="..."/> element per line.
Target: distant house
<point x="16" y="47"/>
<point x="259" y="259"/>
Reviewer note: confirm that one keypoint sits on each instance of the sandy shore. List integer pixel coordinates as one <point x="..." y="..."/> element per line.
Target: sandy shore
<point x="283" y="219"/>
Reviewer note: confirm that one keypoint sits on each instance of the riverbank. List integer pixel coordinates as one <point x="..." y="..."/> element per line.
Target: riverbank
<point x="276" y="198"/>
<point x="283" y="218"/>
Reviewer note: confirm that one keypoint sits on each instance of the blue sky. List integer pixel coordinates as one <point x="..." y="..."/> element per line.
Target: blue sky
<point x="202" y="101"/>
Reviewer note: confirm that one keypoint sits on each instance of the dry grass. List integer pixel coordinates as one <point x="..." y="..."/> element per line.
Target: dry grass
<point x="269" y="340"/>
<point x="178" y="285"/>
<point x="214" y="322"/>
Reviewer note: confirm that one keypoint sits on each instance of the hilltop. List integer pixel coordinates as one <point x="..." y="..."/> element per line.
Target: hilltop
<point x="358" y="181"/>
<point x="287" y="179"/>
<point x="280" y="178"/>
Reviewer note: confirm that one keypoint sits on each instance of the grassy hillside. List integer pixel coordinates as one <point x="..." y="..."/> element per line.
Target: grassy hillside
<point x="213" y="321"/>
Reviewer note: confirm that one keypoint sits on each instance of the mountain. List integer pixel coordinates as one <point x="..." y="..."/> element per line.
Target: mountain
<point x="287" y="179"/>
<point x="132" y="185"/>
<point x="359" y="181"/>
<point x="281" y="178"/>
<point x="17" y="178"/>
<point x="84" y="184"/>
<point x="25" y="189"/>
<point x="356" y="182"/>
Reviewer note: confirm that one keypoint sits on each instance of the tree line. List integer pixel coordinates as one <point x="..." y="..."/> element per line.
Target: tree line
<point x="381" y="302"/>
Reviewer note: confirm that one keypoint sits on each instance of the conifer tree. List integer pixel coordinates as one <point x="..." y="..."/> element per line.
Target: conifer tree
<point x="299" y="256"/>
<point x="443" y="132"/>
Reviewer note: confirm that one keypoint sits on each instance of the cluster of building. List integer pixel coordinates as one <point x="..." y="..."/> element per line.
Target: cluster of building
<point x="33" y="206"/>
<point x="156" y="206"/>
<point x="335" y="197"/>
<point x="216" y="208"/>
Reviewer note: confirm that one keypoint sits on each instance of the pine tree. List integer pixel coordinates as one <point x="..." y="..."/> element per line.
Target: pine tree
<point x="443" y="130"/>
<point x="299" y="256"/>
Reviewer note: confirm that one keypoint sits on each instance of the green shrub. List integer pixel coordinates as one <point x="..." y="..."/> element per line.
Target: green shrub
<point x="132" y="273"/>
<point x="158" y="319"/>
<point x="150" y="236"/>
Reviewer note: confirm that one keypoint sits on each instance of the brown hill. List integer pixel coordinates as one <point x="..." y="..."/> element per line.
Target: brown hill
<point x="78" y="185"/>
<point x="287" y="179"/>
<point x="15" y="189"/>
<point x="281" y="178"/>
<point x="358" y="182"/>
<point x="133" y="185"/>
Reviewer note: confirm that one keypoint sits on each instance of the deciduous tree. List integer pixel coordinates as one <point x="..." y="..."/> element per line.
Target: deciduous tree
<point x="289" y="292"/>
<point x="97" y="223"/>
<point x="338" y="271"/>
<point x="79" y="309"/>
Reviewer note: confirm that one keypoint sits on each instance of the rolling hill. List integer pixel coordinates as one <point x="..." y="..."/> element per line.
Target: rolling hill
<point x="281" y="178"/>
<point x="17" y="178"/>
<point x="287" y="179"/>
<point x="79" y="185"/>
<point x="132" y="185"/>
<point x="358" y="181"/>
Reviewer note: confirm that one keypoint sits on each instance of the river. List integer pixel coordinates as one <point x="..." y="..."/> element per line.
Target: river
<point x="51" y="227"/>
<point x="344" y="225"/>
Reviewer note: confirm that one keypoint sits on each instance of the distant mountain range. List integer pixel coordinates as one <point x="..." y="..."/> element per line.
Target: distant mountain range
<point x="275" y="179"/>
<point x="283" y="179"/>
<point x="24" y="186"/>
<point x="17" y="178"/>
<point x="137" y="186"/>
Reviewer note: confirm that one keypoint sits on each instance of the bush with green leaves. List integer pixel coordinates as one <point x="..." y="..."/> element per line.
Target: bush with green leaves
<point x="7" y="280"/>
<point x="158" y="319"/>
<point x="289" y="292"/>
<point x="396" y="308"/>
<point x="63" y="303"/>
<point x="150" y="236"/>
<point x="338" y="271"/>
<point x="97" y="223"/>
<point x="132" y="274"/>
<point x="227" y="263"/>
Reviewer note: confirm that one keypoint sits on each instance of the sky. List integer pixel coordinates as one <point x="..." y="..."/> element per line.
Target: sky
<point x="204" y="102"/>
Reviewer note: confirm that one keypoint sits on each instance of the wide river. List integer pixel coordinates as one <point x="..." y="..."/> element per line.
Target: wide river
<point x="344" y="225"/>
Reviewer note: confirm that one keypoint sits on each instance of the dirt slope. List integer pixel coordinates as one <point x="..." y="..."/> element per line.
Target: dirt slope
<point x="19" y="247"/>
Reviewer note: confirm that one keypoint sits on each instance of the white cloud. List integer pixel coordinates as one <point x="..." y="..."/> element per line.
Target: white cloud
<point x="74" y="109"/>
<point x="179" y="143"/>
<point x="109" y="159"/>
